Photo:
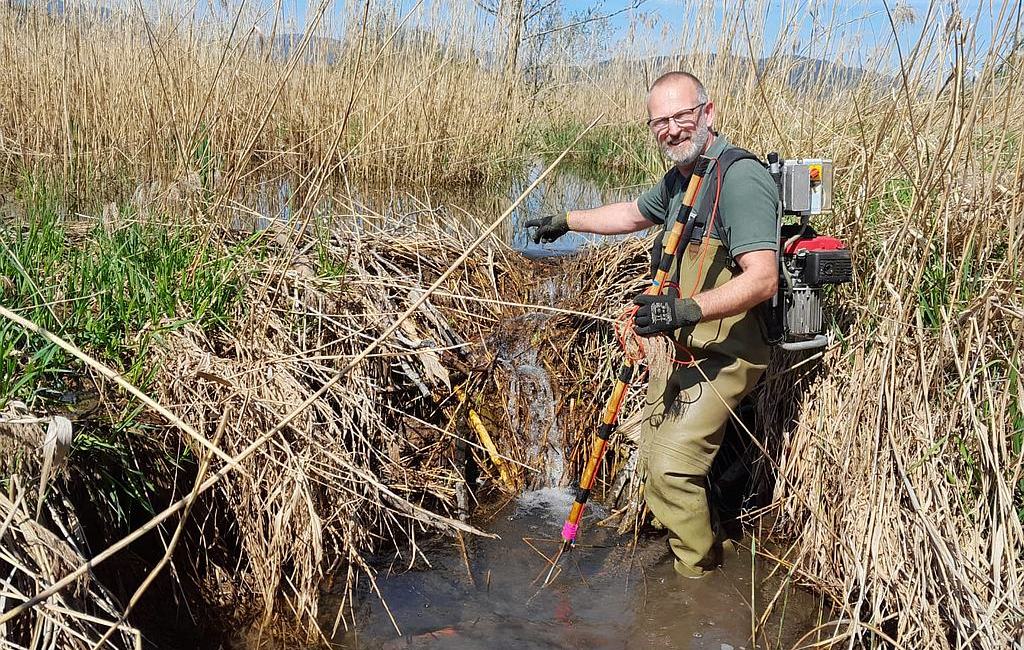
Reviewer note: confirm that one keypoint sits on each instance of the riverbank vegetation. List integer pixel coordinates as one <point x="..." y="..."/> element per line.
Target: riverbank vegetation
<point x="137" y="150"/>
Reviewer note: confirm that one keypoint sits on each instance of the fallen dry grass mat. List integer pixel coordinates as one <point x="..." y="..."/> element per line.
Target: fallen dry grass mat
<point x="35" y="555"/>
<point x="329" y="458"/>
<point x="360" y="468"/>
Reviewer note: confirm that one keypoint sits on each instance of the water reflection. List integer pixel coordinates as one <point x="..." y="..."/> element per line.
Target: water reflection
<point x="466" y="208"/>
<point x="562" y="191"/>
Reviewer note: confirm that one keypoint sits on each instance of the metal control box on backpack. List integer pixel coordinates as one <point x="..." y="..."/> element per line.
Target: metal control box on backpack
<point x="808" y="262"/>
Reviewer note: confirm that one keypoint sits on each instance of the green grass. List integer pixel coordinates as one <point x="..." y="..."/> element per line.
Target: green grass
<point x="204" y="160"/>
<point x="607" y="155"/>
<point x="108" y="290"/>
<point x="111" y="290"/>
<point x="1016" y="417"/>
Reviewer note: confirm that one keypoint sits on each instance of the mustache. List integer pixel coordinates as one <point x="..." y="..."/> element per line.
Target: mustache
<point x="687" y="151"/>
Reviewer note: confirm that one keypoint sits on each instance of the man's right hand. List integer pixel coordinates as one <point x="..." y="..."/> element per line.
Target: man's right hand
<point x="549" y="228"/>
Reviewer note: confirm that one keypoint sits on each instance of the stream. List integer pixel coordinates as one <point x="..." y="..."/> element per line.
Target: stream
<point x="611" y="591"/>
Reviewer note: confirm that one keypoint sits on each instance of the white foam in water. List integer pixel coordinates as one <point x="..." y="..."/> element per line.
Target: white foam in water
<point x="543" y="424"/>
<point x="550" y="502"/>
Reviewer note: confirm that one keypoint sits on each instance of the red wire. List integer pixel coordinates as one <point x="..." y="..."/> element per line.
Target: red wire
<point x="625" y="320"/>
<point x="624" y="326"/>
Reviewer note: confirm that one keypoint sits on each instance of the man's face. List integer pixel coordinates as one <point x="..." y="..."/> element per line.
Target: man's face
<point x="682" y="139"/>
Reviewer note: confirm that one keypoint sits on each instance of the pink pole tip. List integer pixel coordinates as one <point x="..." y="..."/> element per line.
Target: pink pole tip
<point x="569" y="531"/>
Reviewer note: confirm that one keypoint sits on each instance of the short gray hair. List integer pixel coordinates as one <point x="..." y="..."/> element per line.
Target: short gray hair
<point x="676" y="76"/>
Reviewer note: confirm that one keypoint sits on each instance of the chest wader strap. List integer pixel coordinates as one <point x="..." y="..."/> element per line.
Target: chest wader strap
<point x="657" y="248"/>
<point x="709" y="203"/>
<point x="659" y="241"/>
<point x="707" y="206"/>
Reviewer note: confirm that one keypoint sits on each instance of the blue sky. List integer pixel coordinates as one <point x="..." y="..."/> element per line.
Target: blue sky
<point x="865" y="22"/>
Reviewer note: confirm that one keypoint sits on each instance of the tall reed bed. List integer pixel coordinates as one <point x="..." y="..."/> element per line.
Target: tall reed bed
<point x="898" y="457"/>
<point x="151" y="94"/>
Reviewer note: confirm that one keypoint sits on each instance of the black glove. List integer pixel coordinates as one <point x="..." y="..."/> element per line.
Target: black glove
<point x="664" y="314"/>
<point x="549" y="228"/>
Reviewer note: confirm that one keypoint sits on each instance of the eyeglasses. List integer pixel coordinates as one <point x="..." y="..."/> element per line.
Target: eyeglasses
<point x="661" y="123"/>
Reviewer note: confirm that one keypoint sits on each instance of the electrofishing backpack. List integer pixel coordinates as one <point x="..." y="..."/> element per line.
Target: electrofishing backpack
<point x="807" y="261"/>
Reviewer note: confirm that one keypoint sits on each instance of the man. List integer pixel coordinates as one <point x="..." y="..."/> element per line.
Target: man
<point x="721" y="352"/>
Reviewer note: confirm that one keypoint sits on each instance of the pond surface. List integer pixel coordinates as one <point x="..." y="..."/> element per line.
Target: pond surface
<point x="609" y="593"/>
<point x="469" y="208"/>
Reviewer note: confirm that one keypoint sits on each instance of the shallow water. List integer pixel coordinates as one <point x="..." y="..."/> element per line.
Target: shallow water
<point x="608" y="594"/>
<point x="471" y="208"/>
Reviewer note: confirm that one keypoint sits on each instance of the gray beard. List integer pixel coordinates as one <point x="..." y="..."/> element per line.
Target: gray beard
<point x="688" y="154"/>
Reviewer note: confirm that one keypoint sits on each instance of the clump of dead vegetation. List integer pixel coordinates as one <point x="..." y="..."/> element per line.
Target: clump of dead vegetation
<point x="40" y="542"/>
<point x="289" y="473"/>
<point x="370" y="461"/>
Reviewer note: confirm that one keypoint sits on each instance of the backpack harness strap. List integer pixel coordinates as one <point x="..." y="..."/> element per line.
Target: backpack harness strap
<point x="709" y="208"/>
<point x="696" y="224"/>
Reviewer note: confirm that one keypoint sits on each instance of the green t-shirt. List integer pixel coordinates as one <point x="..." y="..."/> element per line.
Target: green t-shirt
<point x="746" y="207"/>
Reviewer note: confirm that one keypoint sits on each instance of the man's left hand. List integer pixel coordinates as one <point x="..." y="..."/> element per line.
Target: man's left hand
<point x="659" y="314"/>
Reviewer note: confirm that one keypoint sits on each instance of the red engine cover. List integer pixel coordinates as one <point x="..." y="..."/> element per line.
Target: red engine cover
<point x="818" y="243"/>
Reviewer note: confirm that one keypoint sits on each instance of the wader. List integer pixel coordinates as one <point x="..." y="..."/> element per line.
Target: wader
<point x="685" y="416"/>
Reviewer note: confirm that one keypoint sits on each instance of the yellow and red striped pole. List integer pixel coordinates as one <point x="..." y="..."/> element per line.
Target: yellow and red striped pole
<point x="680" y="232"/>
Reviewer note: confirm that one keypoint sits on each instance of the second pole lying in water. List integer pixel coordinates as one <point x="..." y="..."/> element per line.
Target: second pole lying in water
<point x="679" y="235"/>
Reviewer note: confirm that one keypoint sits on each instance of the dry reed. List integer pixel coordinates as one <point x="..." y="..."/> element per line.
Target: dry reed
<point x="897" y="459"/>
<point x="232" y="105"/>
<point x="36" y="555"/>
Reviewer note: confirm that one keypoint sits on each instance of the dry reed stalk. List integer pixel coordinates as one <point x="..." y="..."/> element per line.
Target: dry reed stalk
<point x="225" y="104"/>
<point x="32" y="554"/>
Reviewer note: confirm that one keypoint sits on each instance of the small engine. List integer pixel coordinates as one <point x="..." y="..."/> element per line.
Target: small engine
<point x="807" y="261"/>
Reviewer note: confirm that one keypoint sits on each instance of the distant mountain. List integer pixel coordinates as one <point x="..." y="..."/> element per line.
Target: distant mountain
<point x="93" y="10"/>
<point x="804" y="73"/>
<point x="320" y="49"/>
<point x="329" y="50"/>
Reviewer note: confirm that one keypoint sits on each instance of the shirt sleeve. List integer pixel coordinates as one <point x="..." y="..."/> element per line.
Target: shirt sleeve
<point x="748" y="208"/>
<point x="653" y="203"/>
